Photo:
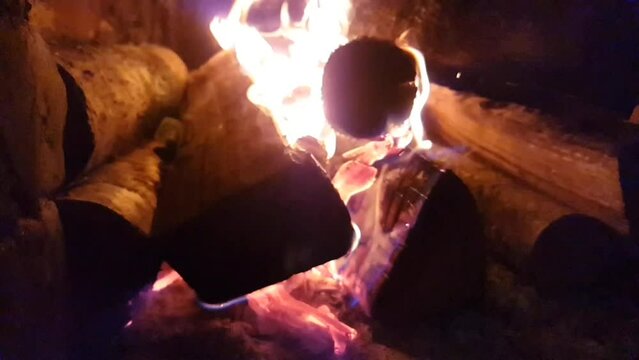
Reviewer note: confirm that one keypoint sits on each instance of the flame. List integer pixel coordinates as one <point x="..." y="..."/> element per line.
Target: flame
<point x="286" y="68"/>
<point x="287" y="79"/>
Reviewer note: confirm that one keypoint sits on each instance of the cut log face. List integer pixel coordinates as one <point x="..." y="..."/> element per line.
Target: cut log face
<point x="117" y="96"/>
<point x="33" y="108"/>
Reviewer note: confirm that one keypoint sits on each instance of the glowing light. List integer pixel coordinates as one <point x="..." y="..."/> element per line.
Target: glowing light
<point x="287" y="78"/>
<point x="165" y="280"/>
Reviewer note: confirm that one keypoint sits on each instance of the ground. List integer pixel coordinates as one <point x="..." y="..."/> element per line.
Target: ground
<point x="514" y="323"/>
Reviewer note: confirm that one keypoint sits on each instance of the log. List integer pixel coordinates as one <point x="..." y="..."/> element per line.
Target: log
<point x="518" y="156"/>
<point x="578" y="171"/>
<point x="32" y="283"/>
<point x="238" y="211"/>
<point x="263" y="235"/>
<point x="230" y="145"/>
<point x="181" y="25"/>
<point x="107" y="217"/>
<point x="117" y="96"/>
<point x="33" y="107"/>
<point x="440" y="268"/>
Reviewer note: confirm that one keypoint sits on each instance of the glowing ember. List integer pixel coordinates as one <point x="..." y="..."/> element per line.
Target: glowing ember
<point x="286" y="68"/>
<point x="165" y="279"/>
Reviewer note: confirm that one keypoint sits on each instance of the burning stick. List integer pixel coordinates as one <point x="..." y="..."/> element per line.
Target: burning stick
<point x="117" y="96"/>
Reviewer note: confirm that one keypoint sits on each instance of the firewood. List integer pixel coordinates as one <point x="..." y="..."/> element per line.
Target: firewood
<point x="107" y="217"/>
<point x="117" y="96"/>
<point x="238" y="211"/>
<point x="362" y="98"/>
<point x="285" y="225"/>
<point x="33" y="106"/>
<point x="442" y="266"/>
<point x="229" y="144"/>
<point x="524" y="172"/>
<point x="181" y="25"/>
<point x="576" y="171"/>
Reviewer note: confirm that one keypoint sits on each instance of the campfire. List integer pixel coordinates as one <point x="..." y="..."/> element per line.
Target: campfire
<point x="287" y="67"/>
<point x="280" y="179"/>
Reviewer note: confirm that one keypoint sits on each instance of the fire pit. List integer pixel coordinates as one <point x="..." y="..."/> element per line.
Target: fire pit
<point x="299" y="190"/>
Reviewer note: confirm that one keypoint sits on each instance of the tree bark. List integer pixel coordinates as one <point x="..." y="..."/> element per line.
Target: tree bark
<point x="33" y="107"/>
<point x="230" y="144"/>
<point x="524" y="173"/>
<point x="117" y="97"/>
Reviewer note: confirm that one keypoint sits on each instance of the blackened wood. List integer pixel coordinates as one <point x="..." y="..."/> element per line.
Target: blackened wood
<point x="117" y="96"/>
<point x="237" y="212"/>
<point x="282" y="226"/>
<point x="441" y="267"/>
<point x="368" y="86"/>
<point x="181" y="25"/>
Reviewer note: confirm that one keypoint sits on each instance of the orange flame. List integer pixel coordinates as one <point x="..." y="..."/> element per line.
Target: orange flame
<point x="286" y="68"/>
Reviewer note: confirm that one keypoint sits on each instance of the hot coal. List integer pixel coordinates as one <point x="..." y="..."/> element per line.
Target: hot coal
<point x="367" y="86"/>
<point x="280" y="227"/>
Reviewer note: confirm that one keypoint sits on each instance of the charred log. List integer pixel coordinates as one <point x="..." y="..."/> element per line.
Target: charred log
<point x="117" y="96"/>
<point x="441" y="267"/>
<point x="235" y="203"/>
<point x="367" y="87"/>
<point x="263" y="235"/>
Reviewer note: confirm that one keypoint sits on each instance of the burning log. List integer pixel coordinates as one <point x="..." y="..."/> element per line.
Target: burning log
<point x="524" y="173"/>
<point x="238" y="211"/>
<point x="368" y="87"/>
<point x="116" y="95"/>
<point x="441" y="266"/>
<point x="579" y="172"/>
<point x="263" y="235"/>
<point x="230" y="145"/>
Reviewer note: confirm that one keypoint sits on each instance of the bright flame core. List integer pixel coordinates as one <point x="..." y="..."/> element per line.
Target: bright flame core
<point x="286" y="67"/>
